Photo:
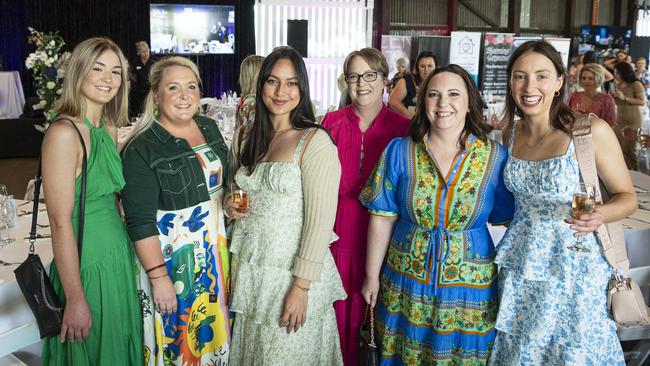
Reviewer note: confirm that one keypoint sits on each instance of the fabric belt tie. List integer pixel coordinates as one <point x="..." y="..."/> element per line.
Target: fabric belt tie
<point x="440" y="235"/>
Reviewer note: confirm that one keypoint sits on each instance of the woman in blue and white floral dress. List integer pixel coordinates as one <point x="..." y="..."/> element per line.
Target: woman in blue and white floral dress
<point x="553" y="306"/>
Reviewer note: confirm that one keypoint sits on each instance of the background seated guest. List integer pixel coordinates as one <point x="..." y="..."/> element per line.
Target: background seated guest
<point x="402" y="65"/>
<point x="591" y="100"/>
<point x="360" y="131"/>
<point x="175" y="169"/>
<point x="139" y="70"/>
<point x="429" y="249"/>
<point x="102" y="322"/>
<point x="402" y="98"/>
<point x="630" y="100"/>
<point x="248" y="72"/>
<point x="553" y="295"/>
<point x="284" y="278"/>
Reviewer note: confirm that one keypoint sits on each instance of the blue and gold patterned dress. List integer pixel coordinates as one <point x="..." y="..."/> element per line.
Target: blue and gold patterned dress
<point x="438" y="297"/>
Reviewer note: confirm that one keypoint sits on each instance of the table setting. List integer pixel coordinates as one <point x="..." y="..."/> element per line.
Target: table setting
<point x="18" y="327"/>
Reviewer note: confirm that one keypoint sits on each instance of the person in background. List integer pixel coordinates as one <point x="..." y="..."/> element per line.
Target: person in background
<point x="573" y="76"/>
<point x="402" y="65"/>
<point x="430" y="264"/>
<point x="591" y="100"/>
<point x="641" y="73"/>
<point x="621" y="57"/>
<point x="630" y="99"/>
<point x="248" y="72"/>
<point x="102" y="323"/>
<point x="402" y="98"/>
<point x="175" y="169"/>
<point x="284" y="279"/>
<point x="552" y="297"/>
<point x="139" y="69"/>
<point x="590" y="58"/>
<point x="360" y="131"/>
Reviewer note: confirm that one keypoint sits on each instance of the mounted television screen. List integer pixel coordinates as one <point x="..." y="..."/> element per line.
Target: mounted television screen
<point x="600" y="37"/>
<point x="194" y="29"/>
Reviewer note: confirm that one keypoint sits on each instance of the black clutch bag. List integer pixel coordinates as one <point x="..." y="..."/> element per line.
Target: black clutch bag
<point x="368" y="352"/>
<point x="31" y="275"/>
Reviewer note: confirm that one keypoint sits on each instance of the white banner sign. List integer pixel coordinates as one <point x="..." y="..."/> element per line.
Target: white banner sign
<point x="563" y="46"/>
<point x="465" y="50"/>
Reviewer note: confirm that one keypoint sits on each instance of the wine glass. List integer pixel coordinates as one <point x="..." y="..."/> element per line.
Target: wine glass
<point x="584" y="201"/>
<point x="6" y="213"/>
<point x="240" y="198"/>
<point x="642" y="136"/>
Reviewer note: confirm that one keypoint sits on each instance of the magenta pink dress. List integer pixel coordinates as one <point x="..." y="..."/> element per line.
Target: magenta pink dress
<point x="603" y="106"/>
<point x="358" y="152"/>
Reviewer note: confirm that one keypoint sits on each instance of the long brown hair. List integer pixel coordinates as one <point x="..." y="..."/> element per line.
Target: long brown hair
<point x="474" y="120"/>
<point x="302" y="117"/>
<point x="560" y="115"/>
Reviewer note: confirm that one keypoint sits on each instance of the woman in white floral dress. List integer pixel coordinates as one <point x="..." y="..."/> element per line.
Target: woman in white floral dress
<point x="553" y="300"/>
<point x="284" y="279"/>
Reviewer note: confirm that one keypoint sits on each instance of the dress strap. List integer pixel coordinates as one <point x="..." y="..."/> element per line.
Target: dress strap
<point x="297" y="153"/>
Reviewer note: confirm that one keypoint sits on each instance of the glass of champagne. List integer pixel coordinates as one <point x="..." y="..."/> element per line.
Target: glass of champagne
<point x="240" y="198"/>
<point x="642" y="136"/>
<point x="584" y="201"/>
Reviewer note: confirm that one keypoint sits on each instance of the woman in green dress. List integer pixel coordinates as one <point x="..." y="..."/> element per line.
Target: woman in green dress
<point x="101" y="320"/>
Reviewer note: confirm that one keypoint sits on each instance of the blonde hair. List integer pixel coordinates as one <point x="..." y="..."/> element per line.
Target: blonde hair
<point x="156" y="72"/>
<point x="72" y="103"/>
<point x="248" y="72"/>
<point x="402" y="62"/>
<point x="596" y="70"/>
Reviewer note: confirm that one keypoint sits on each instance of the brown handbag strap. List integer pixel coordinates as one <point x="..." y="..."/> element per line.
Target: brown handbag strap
<point x="615" y="252"/>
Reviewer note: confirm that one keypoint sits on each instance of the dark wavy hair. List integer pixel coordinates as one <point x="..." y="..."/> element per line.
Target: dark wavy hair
<point x="561" y="116"/>
<point x="423" y="54"/>
<point x="474" y="120"/>
<point x="302" y="117"/>
<point x="625" y="72"/>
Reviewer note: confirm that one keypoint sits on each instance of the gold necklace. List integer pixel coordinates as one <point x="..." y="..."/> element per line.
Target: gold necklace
<point x="540" y="140"/>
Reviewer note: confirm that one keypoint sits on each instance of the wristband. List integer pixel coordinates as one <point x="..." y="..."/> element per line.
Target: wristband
<point x="155" y="267"/>
<point x="306" y="289"/>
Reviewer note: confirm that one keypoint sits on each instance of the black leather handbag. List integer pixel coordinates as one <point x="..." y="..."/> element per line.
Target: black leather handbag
<point x="368" y="353"/>
<point x="31" y="275"/>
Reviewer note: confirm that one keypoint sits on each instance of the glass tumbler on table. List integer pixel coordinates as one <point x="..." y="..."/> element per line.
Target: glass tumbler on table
<point x="584" y="201"/>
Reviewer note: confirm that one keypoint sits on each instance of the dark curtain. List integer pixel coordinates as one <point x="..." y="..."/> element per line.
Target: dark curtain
<point x="125" y="22"/>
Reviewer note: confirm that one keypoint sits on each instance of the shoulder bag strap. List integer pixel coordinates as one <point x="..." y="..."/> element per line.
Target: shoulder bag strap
<point x="82" y="196"/>
<point x="583" y="143"/>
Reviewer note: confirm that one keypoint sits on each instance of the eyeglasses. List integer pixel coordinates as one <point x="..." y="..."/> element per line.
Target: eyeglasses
<point x="367" y="77"/>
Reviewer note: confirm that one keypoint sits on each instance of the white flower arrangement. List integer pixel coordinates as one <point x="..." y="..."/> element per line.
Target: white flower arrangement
<point x="48" y="69"/>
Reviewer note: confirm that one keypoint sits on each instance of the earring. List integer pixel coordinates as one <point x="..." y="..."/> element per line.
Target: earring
<point x="556" y="94"/>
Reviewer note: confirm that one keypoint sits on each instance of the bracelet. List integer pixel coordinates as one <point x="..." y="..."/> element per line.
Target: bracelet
<point x="155" y="267"/>
<point x="306" y="289"/>
<point x="157" y="277"/>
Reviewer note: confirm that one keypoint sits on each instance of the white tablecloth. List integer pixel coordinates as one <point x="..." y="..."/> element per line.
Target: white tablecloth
<point x="17" y="324"/>
<point x="12" y="98"/>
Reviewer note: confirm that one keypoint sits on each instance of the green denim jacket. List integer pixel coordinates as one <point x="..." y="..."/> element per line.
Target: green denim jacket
<point x="163" y="173"/>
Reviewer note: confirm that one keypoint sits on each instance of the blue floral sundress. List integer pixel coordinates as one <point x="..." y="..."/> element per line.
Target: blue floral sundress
<point x="553" y="301"/>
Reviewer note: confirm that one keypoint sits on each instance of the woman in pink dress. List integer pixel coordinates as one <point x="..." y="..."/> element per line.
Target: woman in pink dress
<point x="591" y="100"/>
<point x="361" y="131"/>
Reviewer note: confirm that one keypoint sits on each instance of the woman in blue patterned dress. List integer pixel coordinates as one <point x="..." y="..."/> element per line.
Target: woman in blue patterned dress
<point x="430" y="197"/>
<point x="553" y="300"/>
